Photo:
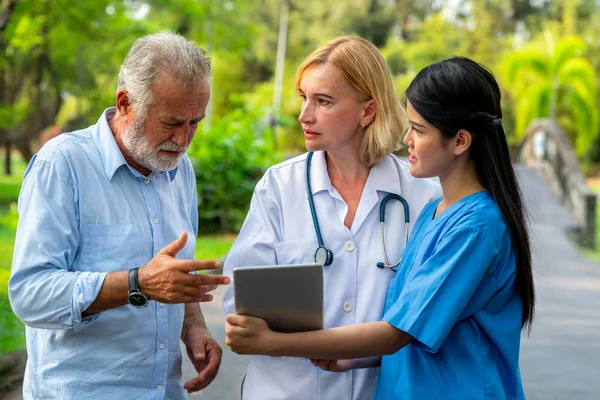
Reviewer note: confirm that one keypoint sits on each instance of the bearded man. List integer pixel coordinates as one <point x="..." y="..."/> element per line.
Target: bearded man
<point x="103" y="269"/>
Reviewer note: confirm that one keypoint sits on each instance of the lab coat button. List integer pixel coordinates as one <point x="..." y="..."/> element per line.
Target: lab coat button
<point x="347" y="306"/>
<point x="349" y="245"/>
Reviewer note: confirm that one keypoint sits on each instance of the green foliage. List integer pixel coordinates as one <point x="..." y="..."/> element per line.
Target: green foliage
<point x="228" y="159"/>
<point x="559" y="84"/>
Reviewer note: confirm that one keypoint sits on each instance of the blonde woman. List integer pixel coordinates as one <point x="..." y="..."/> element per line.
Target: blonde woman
<point x="352" y="121"/>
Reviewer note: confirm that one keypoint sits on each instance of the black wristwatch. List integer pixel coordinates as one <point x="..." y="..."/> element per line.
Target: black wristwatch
<point x="135" y="297"/>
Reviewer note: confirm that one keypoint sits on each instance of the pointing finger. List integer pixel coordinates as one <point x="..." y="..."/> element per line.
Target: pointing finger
<point x="198" y="265"/>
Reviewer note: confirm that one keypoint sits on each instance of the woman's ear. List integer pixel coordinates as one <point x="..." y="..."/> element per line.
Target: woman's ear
<point x="462" y="141"/>
<point x="368" y="113"/>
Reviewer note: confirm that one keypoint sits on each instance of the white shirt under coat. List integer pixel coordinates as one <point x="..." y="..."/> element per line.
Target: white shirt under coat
<point x="279" y="230"/>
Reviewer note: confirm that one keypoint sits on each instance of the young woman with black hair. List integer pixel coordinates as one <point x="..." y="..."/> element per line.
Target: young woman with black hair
<point x="464" y="290"/>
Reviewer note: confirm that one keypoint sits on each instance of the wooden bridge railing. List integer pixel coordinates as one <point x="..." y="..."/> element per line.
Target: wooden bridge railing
<point x="547" y="147"/>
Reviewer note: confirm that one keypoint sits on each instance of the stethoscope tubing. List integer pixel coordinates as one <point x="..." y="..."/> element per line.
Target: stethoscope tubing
<point x="328" y="253"/>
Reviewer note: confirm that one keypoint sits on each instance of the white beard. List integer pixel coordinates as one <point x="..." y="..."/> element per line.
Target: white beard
<point x="140" y="150"/>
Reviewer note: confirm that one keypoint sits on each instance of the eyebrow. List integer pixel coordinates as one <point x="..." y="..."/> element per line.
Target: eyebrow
<point x="172" y="119"/>
<point x="317" y="94"/>
<point x="416" y="124"/>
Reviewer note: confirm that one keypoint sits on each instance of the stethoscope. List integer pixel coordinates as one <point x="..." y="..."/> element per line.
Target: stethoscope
<point x="324" y="255"/>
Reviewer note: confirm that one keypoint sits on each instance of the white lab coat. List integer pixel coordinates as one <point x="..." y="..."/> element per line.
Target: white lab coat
<point x="279" y="230"/>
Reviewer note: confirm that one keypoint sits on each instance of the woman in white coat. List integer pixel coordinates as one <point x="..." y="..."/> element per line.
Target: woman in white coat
<point x="352" y="120"/>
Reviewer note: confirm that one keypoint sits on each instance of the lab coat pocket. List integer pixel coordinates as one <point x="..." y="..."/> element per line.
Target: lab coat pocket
<point x="296" y="251"/>
<point x="107" y="248"/>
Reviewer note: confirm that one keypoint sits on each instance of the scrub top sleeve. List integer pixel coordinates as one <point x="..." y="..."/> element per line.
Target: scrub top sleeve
<point x="436" y="292"/>
<point x="254" y="244"/>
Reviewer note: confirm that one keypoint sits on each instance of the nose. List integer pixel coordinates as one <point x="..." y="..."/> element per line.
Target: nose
<point x="307" y="115"/>
<point x="183" y="135"/>
<point x="407" y="137"/>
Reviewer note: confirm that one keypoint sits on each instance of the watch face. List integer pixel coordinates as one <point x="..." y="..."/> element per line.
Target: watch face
<point x="137" y="299"/>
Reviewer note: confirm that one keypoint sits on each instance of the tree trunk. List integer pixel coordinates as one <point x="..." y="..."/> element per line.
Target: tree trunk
<point x="7" y="160"/>
<point x="6" y="10"/>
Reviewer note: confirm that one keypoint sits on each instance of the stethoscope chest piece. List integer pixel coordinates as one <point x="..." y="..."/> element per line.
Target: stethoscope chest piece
<point x="323" y="256"/>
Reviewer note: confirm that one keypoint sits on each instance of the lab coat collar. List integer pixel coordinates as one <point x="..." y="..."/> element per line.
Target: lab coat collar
<point x="384" y="176"/>
<point x="319" y="178"/>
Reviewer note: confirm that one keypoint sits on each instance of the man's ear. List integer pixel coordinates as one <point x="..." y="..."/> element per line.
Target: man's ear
<point x="369" y="113"/>
<point x="462" y="141"/>
<point x="123" y="106"/>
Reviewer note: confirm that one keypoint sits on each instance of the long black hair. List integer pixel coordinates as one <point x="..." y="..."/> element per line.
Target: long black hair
<point x="459" y="93"/>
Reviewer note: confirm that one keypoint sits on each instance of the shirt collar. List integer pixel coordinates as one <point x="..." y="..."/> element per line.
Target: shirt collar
<point x="384" y="176"/>
<point x="319" y="178"/>
<point x="109" y="150"/>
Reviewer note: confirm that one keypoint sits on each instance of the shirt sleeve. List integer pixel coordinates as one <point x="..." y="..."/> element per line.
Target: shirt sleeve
<point x="43" y="291"/>
<point x="255" y="242"/>
<point x="435" y="293"/>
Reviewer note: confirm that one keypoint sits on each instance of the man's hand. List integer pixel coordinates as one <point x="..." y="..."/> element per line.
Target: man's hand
<point x="335" y="365"/>
<point x="205" y="355"/>
<point x="248" y="335"/>
<point x="168" y="280"/>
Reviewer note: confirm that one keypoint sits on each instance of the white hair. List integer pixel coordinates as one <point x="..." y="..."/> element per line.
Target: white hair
<point x="166" y="52"/>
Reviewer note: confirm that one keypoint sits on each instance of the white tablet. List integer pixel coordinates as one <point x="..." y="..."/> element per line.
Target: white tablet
<point x="288" y="297"/>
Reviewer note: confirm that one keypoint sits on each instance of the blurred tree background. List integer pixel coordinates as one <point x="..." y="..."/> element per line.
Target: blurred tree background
<point x="59" y="63"/>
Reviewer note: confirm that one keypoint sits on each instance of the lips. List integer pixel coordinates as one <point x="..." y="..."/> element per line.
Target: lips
<point x="308" y="134"/>
<point x="412" y="158"/>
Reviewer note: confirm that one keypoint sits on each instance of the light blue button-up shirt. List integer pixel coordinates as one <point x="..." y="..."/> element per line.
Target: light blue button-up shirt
<point x="85" y="212"/>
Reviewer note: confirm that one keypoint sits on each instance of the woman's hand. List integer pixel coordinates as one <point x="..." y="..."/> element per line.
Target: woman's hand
<point x="248" y="335"/>
<point x="335" y="365"/>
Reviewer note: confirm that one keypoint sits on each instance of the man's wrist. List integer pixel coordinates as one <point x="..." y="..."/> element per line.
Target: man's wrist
<point x="134" y="296"/>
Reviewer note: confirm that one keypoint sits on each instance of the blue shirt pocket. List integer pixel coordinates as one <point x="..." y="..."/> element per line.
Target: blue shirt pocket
<point x="108" y="248"/>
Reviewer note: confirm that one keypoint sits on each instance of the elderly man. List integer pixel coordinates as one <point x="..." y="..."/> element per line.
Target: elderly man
<point x="104" y="251"/>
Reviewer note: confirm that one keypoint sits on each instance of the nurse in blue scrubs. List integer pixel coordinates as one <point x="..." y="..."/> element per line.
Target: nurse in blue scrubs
<point x="464" y="290"/>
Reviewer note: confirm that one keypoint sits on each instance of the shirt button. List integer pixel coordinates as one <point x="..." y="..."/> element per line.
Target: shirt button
<point x="155" y="220"/>
<point x="347" y="306"/>
<point x="159" y="387"/>
<point x="146" y="181"/>
<point x="349" y="245"/>
<point x="161" y="346"/>
<point x="162" y="304"/>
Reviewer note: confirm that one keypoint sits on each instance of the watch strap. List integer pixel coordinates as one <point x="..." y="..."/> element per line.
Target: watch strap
<point x="133" y="280"/>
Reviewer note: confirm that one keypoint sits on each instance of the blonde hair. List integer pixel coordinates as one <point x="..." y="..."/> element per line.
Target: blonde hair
<point x="363" y="67"/>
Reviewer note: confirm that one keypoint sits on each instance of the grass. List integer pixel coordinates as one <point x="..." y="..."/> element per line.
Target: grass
<point x="12" y="331"/>
<point x="11" y="185"/>
<point x="213" y="247"/>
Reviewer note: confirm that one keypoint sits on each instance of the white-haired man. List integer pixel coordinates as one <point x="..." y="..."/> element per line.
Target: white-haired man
<point x="106" y="237"/>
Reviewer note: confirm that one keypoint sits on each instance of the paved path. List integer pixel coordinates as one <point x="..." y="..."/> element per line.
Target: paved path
<point x="560" y="360"/>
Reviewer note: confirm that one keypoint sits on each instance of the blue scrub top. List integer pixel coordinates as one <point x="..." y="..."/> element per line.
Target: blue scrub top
<point x="455" y="293"/>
